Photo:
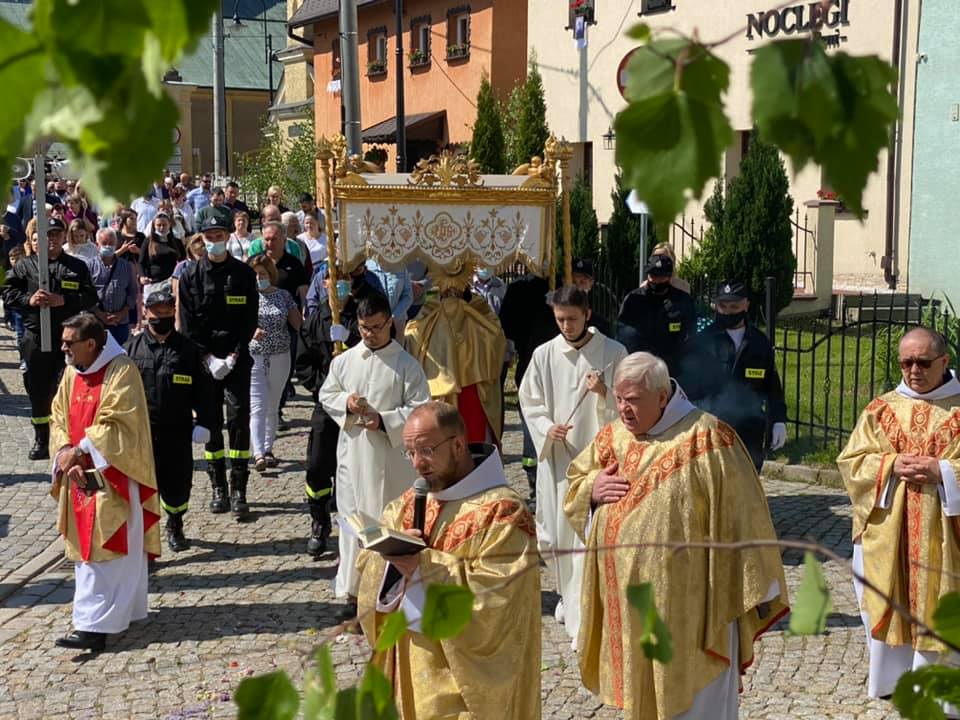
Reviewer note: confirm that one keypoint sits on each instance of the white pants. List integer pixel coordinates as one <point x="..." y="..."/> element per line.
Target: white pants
<point x="109" y="595"/>
<point x="889" y="662"/>
<point x="267" y="382"/>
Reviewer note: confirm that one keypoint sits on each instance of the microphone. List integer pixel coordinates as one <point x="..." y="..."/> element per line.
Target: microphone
<point x="420" y="489"/>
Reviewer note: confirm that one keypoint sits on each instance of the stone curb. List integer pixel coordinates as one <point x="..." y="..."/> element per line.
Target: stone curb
<point x="825" y="477"/>
<point x="47" y="559"/>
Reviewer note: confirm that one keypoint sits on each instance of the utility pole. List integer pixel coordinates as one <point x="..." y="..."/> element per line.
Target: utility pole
<point x="219" y="99"/>
<point x="350" y="76"/>
<point x="401" y="117"/>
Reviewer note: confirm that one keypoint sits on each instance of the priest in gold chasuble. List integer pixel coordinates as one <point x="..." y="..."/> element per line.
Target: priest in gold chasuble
<point x="665" y="472"/>
<point x="460" y="345"/>
<point x="103" y="480"/>
<point x="901" y="468"/>
<point x="481" y="535"/>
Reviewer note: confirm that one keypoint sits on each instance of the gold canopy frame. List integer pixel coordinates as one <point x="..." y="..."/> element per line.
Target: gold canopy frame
<point x="446" y="213"/>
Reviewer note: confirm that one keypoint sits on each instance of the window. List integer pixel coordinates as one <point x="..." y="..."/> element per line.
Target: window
<point x="420" y="41"/>
<point x="578" y="8"/>
<point x="649" y="7"/>
<point x="458" y="32"/>
<point x="377" y="51"/>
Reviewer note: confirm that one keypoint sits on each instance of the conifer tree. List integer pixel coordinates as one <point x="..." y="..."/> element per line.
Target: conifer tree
<point x="530" y="124"/>
<point x="487" y="146"/>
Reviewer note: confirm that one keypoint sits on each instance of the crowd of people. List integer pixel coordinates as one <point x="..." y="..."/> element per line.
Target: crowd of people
<point x="172" y="321"/>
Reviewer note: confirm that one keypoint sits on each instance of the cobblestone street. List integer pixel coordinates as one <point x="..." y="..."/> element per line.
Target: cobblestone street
<point x="245" y="599"/>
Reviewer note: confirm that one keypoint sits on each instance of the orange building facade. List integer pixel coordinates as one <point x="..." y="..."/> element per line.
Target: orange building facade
<point x="447" y="47"/>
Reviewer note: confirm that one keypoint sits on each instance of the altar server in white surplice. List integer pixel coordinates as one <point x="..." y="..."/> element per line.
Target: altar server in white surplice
<point x="565" y="401"/>
<point x="369" y="392"/>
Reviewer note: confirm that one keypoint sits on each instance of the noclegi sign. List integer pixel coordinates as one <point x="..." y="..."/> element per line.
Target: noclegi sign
<point x="809" y="17"/>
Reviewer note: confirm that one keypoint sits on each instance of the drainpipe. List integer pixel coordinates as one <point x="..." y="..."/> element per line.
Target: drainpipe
<point x="890" y="260"/>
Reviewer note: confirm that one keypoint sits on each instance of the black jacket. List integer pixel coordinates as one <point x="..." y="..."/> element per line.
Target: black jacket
<point x="526" y="318"/>
<point x="315" y="350"/>
<point x="175" y="380"/>
<point x="219" y="305"/>
<point x="69" y="276"/>
<point x="741" y="387"/>
<point x="658" y="324"/>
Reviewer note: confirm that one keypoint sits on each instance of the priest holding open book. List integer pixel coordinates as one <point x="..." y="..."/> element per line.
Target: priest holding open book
<point x="478" y="533"/>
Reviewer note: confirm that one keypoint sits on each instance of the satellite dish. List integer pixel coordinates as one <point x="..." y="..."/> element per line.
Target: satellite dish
<point x="22" y="169"/>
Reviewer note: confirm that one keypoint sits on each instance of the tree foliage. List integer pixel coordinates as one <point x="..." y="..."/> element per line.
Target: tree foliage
<point x="620" y="253"/>
<point x="527" y="118"/>
<point x="90" y="75"/>
<point x="487" y="146"/>
<point x="287" y="163"/>
<point x="750" y="234"/>
<point x="584" y="225"/>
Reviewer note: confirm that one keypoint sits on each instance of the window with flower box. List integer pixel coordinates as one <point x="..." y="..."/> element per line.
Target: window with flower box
<point x="458" y="32"/>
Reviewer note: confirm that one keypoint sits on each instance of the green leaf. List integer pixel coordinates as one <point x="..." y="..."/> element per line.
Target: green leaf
<point x="833" y="109"/>
<point x="347" y="701"/>
<point x="655" y="635"/>
<point x="394" y="627"/>
<point x="178" y="24"/>
<point x="21" y="74"/>
<point x="447" y="611"/>
<point x="320" y="687"/>
<point x="267" y="697"/>
<point x="919" y="692"/>
<point x="376" y="696"/>
<point x="812" y="602"/>
<point x="946" y="618"/>
<point x="672" y="135"/>
<point x="104" y="27"/>
<point x="640" y="32"/>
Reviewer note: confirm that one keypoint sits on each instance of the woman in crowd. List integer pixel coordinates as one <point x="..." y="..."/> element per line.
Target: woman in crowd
<point x="129" y="238"/>
<point x="270" y="349"/>
<point x="183" y="224"/>
<point x="666" y="250"/>
<point x="240" y="240"/>
<point x="79" y="243"/>
<point x="315" y="240"/>
<point x="161" y="253"/>
<point x="291" y="226"/>
<point x="77" y="209"/>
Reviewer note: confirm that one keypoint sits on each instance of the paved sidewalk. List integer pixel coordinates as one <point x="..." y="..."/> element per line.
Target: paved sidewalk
<point x="246" y="600"/>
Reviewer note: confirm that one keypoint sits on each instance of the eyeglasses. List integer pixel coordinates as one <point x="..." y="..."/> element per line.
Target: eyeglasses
<point x="425" y="453"/>
<point x="373" y="329"/>
<point x="71" y="343"/>
<point x="921" y="363"/>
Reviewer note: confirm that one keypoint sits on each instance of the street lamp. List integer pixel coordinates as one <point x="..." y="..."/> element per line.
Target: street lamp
<point x="267" y="41"/>
<point x="609" y="139"/>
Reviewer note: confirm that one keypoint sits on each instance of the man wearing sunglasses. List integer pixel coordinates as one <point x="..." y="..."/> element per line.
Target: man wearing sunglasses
<point x="901" y="468"/>
<point x="369" y="392"/>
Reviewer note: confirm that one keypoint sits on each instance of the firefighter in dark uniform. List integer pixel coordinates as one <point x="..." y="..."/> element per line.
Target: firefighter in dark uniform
<point x="657" y="317"/>
<point x="584" y="280"/>
<point x="176" y="382"/>
<point x="314" y="354"/>
<point x="729" y="370"/>
<point x="71" y="292"/>
<point x="219" y="303"/>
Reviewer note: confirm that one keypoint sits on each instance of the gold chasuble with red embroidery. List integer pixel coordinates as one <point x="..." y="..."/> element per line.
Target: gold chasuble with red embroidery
<point x="911" y="548"/>
<point x="487" y="542"/>
<point x="109" y="408"/>
<point x="693" y="482"/>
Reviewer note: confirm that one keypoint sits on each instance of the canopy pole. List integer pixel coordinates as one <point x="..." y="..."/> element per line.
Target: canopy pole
<point x="326" y="154"/>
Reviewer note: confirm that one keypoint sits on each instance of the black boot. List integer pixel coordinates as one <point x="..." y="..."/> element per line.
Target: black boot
<point x="217" y="471"/>
<point x="319" y="526"/>
<point x="41" y="442"/>
<point x="82" y="640"/>
<point x="176" y="540"/>
<point x="238" y="493"/>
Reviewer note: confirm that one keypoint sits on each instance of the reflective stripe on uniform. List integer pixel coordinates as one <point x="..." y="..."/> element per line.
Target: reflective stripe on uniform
<point x="174" y="510"/>
<point x="40" y="420"/>
<point x="215" y="455"/>
<point x="528" y="462"/>
<point x="319" y="493"/>
<point x="237" y="454"/>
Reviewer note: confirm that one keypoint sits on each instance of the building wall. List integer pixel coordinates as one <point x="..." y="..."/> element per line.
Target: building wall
<point x="936" y="227"/>
<point x="245" y="111"/>
<point x="442" y="85"/>
<point x="583" y="99"/>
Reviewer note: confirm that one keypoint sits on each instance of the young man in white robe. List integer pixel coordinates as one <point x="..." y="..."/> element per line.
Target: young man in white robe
<point x="369" y="392"/>
<point x="565" y="402"/>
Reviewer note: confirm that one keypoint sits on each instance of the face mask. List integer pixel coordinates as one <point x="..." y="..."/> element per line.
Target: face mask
<point x="161" y="325"/>
<point x="728" y="322"/>
<point x="660" y="288"/>
<point x="107" y="252"/>
<point x="263" y="283"/>
<point x="484" y="274"/>
<point x="343" y="289"/>
<point x="216" y="248"/>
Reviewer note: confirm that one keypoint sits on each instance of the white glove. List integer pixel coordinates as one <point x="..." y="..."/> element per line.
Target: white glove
<point x="338" y="333"/>
<point x="231" y="363"/>
<point x="778" y="436"/>
<point x="201" y="435"/>
<point x="218" y="368"/>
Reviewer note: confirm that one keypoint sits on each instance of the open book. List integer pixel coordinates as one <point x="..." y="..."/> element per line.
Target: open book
<point x="374" y="535"/>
